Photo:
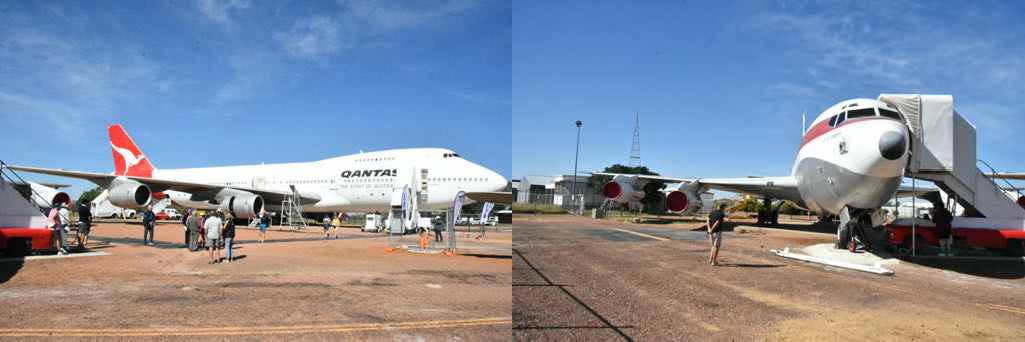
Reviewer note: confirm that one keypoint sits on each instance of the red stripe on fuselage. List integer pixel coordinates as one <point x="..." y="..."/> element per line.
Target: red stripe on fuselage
<point x="823" y="127"/>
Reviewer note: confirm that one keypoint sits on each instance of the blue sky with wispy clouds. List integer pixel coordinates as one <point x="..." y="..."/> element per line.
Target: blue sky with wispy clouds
<point x="720" y="87"/>
<point x="208" y="83"/>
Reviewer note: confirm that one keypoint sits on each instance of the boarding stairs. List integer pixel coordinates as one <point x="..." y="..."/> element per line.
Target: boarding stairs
<point x="943" y="151"/>
<point x="17" y="207"/>
<point x="292" y="210"/>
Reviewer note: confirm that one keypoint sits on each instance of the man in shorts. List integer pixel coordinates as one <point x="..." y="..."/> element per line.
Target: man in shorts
<point x="213" y="235"/>
<point x="85" y="218"/>
<point x="327" y="225"/>
<point x="264" y="223"/>
<point x="714" y="223"/>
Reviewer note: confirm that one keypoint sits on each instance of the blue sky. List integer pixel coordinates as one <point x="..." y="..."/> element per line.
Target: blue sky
<point x="720" y="87"/>
<point x="208" y="83"/>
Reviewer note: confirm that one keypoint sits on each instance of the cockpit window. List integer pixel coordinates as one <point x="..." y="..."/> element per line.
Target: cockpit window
<point x="832" y="120"/>
<point x="890" y="114"/>
<point x="839" y="119"/>
<point x="451" y="155"/>
<point x="861" y="113"/>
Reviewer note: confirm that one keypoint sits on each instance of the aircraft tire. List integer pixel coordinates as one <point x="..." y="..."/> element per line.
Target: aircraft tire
<point x="906" y="244"/>
<point x="843" y="236"/>
<point x="17" y="247"/>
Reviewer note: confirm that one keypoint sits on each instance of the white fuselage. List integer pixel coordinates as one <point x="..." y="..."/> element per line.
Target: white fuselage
<point x="362" y="182"/>
<point x="858" y="162"/>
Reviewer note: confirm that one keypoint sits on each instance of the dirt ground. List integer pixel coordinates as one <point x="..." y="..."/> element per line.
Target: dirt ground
<point x="576" y="278"/>
<point x="296" y="284"/>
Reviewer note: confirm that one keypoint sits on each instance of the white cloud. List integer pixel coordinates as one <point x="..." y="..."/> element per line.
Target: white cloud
<point x="312" y="37"/>
<point x="68" y="82"/>
<point x="893" y="46"/>
<point x="357" y="21"/>
<point x="220" y="11"/>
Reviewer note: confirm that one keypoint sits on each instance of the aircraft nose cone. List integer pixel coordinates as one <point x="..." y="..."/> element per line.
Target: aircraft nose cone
<point x="891" y="145"/>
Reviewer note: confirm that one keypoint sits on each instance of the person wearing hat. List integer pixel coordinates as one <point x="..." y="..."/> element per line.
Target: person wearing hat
<point x="437" y="222"/>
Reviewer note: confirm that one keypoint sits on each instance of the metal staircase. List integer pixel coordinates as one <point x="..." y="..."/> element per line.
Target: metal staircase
<point x="292" y="210"/>
<point x="17" y="205"/>
<point x="943" y="151"/>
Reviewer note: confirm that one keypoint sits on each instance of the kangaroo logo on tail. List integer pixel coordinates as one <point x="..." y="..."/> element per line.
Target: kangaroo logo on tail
<point x="128" y="159"/>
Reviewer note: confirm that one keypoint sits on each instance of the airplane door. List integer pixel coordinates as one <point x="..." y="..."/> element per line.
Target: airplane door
<point x="423" y="186"/>
<point x="259" y="182"/>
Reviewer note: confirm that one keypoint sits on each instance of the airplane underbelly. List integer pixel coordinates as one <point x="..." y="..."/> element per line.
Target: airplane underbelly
<point x="830" y="187"/>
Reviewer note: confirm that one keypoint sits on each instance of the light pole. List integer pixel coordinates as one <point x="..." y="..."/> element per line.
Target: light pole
<point x="576" y="157"/>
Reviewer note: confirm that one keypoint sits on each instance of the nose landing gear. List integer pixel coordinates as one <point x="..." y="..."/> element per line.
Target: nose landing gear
<point x="851" y="233"/>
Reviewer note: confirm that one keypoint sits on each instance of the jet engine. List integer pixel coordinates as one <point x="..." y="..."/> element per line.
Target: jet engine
<point x="127" y="193"/>
<point x="242" y="205"/>
<point x="623" y="189"/>
<point x="48" y="197"/>
<point x="683" y="200"/>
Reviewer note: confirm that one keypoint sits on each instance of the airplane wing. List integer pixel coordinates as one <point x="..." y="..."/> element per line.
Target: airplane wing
<point x="49" y="185"/>
<point x="493" y="197"/>
<point x="648" y="178"/>
<point x="773" y="187"/>
<point x="158" y="185"/>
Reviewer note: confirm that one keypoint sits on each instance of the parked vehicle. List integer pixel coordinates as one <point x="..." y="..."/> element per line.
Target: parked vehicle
<point x="169" y="214"/>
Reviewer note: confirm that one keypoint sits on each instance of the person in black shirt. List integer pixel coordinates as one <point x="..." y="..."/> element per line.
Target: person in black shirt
<point x="149" y="220"/>
<point x="942" y="218"/>
<point x="714" y="224"/>
<point x="85" y="219"/>
<point x="228" y="232"/>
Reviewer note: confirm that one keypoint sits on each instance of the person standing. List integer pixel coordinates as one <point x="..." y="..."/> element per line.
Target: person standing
<point x="942" y="218"/>
<point x="149" y="220"/>
<point x="185" y="226"/>
<point x="85" y="220"/>
<point x="327" y="225"/>
<point x="58" y="230"/>
<point x="202" y="228"/>
<point x="228" y="233"/>
<point x="192" y="222"/>
<point x="335" y="222"/>
<point x="213" y="233"/>
<point x="264" y="223"/>
<point x="714" y="224"/>
<point x="437" y="223"/>
<point x="65" y="224"/>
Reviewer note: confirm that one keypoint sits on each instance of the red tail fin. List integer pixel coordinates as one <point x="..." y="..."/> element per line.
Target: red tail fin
<point x="128" y="158"/>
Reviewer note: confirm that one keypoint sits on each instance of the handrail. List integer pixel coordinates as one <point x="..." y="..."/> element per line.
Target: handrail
<point x="994" y="174"/>
<point x="3" y="175"/>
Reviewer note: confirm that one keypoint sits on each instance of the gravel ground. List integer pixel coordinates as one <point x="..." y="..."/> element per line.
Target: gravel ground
<point x="577" y="278"/>
<point x="296" y="285"/>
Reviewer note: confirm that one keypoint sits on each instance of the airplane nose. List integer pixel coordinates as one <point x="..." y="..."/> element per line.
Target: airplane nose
<point x="892" y="145"/>
<point x="498" y="183"/>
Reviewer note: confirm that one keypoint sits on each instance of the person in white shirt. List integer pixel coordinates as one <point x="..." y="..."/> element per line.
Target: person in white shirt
<point x="213" y="234"/>
<point x="65" y="223"/>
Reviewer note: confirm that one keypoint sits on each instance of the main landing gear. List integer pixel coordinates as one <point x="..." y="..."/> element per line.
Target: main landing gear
<point x="768" y="216"/>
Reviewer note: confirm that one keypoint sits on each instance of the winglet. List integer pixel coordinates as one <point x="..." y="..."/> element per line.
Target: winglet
<point x="128" y="158"/>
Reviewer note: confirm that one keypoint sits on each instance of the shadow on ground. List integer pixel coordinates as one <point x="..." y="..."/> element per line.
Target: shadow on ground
<point x="10" y="267"/>
<point x="1002" y="268"/>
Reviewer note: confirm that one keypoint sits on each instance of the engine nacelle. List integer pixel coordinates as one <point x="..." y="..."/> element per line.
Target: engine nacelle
<point x="242" y="205"/>
<point x="622" y="189"/>
<point x="127" y="193"/>
<point x="47" y="197"/>
<point x="683" y="200"/>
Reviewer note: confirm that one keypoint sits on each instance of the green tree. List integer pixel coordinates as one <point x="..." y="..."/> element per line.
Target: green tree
<point x="90" y="195"/>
